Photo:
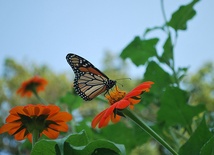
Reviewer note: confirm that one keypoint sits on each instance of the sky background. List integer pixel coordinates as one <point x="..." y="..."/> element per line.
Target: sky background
<point x="44" y="31"/>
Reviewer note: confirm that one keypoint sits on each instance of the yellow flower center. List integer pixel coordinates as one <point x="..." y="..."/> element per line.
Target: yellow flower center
<point x="115" y="95"/>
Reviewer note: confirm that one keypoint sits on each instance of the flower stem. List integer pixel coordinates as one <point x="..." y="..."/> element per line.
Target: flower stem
<point x="164" y="16"/>
<point x="35" y="137"/>
<point x="146" y="128"/>
<point x="39" y="98"/>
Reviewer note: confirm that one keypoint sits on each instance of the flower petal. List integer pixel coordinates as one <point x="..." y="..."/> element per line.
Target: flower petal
<point x="104" y="122"/>
<point x="97" y="119"/>
<point x="30" y="137"/>
<point x="12" y="118"/>
<point x="62" y="116"/>
<point x="9" y="126"/>
<point x="17" y="110"/>
<point x="53" y="109"/>
<point x="59" y="127"/>
<point x="115" y="118"/>
<point x="20" y="135"/>
<point x="51" y="133"/>
<point x="122" y="104"/>
<point x="145" y="86"/>
<point x="107" y="116"/>
<point x="45" y="111"/>
<point x="14" y="129"/>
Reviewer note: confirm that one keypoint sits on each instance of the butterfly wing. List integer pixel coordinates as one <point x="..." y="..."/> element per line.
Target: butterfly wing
<point x="89" y="81"/>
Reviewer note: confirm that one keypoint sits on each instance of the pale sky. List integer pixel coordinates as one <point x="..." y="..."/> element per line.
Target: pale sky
<point x="44" y="31"/>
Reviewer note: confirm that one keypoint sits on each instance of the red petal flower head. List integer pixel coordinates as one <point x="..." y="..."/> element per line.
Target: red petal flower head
<point x="33" y="85"/>
<point x="118" y="101"/>
<point x="47" y="120"/>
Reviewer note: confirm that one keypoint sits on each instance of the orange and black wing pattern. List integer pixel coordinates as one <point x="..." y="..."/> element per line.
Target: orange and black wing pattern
<point x="89" y="81"/>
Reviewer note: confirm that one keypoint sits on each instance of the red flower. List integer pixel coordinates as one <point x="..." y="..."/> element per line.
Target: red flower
<point x="32" y="85"/>
<point x="119" y="100"/>
<point x="47" y="120"/>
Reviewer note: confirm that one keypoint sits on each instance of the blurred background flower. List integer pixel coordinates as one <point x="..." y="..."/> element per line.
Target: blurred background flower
<point x="47" y="120"/>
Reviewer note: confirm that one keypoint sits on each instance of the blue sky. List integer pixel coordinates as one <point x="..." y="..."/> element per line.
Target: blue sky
<point x="44" y="31"/>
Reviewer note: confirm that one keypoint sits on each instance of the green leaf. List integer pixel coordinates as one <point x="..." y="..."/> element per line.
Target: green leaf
<point x="99" y="145"/>
<point x="167" y="55"/>
<point x="78" y="139"/>
<point x="104" y="151"/>
<point x="53" y="147"/>
<point x="76" y="144"/>
<point x="200" y="138"/>
<point x="182" y="15"/>
<point x="208" y="147"/>
<point x="160" y="77"/>
<point x="71" y="100"/>
<point x="44" y="147"/>
<point x="75" y="140"/>
<point x="130" y="135"/>
<point x="139" y="51"/>
<point x="67" y="144"/>
<point x="174" y="109"/>
<point x="95" y="147"/>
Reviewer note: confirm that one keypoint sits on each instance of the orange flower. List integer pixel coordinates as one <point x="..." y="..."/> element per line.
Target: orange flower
<point x="47" y="120"/>
<point x="118" y="101"/>
<point x="32" y="85"/>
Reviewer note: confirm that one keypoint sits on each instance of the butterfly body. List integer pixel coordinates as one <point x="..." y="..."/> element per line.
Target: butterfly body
<point x="89" y="81"/>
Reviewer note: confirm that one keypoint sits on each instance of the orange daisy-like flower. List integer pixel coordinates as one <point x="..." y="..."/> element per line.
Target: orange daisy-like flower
<point x="47" y="120"/>
<point x="118" y="101"/>
<point x="32" y="85"/>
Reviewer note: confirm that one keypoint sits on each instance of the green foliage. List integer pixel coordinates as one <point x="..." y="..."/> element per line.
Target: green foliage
<point x="182" y="16"/>
<point x="14" y="74"/>
<point x="167" y="56"/>
<point x="137" y="137"/>
<point x="200" y="141"/>
<point x="69" y="99"/>
<point x="201" y="86"/>
<point x="174" y="113"/>
<point x="176" y="116"/>
<point x="116" y="69"/>
<point x="77" y="144"/>
<point x="141" y="50"/>
<point x="40" y="149"/>
<point x="113" y="133"/>
<point x="208" y="147"/>
<point x="159" y="76"/>
<point x="147" y="148"/>
<point x="180" y="108"/>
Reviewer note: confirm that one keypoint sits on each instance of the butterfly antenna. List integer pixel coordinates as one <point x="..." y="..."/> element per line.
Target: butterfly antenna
<point x="123" y="79"/>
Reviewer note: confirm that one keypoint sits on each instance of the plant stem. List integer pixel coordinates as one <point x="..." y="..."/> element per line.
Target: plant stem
<point x="39" y="98"/>
<point x="35" y="137"/>
<point x="164" y="17"/>
<point x="146" y="128"/>
<point x="171" y="65"/>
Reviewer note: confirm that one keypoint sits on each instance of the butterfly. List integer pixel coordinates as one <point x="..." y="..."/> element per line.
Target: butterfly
<point x="89" y="81"/>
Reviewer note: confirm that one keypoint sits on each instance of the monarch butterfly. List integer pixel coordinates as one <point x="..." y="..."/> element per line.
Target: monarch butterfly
<point x="89" y="81"/>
